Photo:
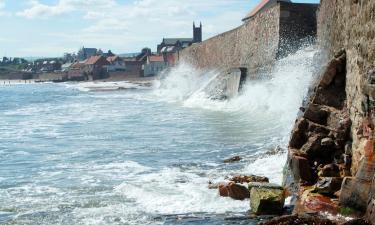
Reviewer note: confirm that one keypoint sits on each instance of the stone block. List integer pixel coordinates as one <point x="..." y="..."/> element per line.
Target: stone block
<point x="266" y="199"/>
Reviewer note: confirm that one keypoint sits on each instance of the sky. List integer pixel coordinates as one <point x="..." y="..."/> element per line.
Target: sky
<point x="52" y="27"/>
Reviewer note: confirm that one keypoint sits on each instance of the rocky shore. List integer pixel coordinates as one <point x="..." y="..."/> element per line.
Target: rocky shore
<point x="329" y="175"/>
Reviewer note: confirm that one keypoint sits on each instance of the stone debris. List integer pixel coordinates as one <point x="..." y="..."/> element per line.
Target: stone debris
<point x="233" y="159"/>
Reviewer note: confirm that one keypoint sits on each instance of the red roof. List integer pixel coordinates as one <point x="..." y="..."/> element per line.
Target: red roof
<point x="94" y="60"/>
<point x="156" y="58"/>
<point x="112" y="58"/>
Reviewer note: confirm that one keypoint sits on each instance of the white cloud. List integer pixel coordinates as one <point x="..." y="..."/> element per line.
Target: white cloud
<point x="127" y="27"/>
<point x="39" y="10"/>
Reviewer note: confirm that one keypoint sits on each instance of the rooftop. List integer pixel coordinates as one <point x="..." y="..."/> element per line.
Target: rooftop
<point x="156" y="58"/>
<point x="94" y="59"/>
<point x="261" y="6"/>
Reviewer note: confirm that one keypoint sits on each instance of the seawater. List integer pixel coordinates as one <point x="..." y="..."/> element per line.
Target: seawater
<point x="69" y="155"/>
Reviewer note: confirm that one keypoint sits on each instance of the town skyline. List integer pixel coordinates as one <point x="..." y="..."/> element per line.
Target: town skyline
<point x="49" y="28"/>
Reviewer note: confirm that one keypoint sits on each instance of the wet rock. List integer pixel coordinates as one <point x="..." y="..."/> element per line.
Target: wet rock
<point x="320" y="203"/>
<point x="298" y="220"/>
<point x="355" y="193"/>
<point x="223" y="190"/>
<point x="357" y="222"/>
<point x="266" y="199"/>
<point x="316" y="114"/>
<point x="248" y="178"/>
<point x="327" y="142"/>
<point x="370" y="212"/>
<point x="237" y="191"/>
<point x="301" y="169"/>
<point x="330" y="170"/>
<point x="328" y="185"/>
<point x="233" y="190"/>
<point x="298" y="137"/>
<point x="233" y="159"/>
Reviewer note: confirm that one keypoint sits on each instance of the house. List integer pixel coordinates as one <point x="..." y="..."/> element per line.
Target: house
<point x="95" y="67"/>
<point x="115" y="64"/>
<point x="76" y="72"/>
<point x="154" y="65"/>
<point x="85" y="53"/>
<point x="49" y="66"/>
<point x="66" y="67"/>
<point x="134" y="67"/>
<point x="173" y="45"/>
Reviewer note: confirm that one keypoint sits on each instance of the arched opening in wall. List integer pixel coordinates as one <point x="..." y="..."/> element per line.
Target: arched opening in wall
<point x="243" y="78"/>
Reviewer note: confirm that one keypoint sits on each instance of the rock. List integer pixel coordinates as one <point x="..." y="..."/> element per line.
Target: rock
<point x="237" y="191"/>
<point x="355" y="193"/>
<point x="233" y="159"/>
<point x="298" y="220"/>
<point x="327" y="142"/>
<point x="223" y="190"/>
<point x="370" y="212"/>
<point x="298" y="137"/>
<point x="233" y="190"/>
<point x="301" y="169"/>
<point x="316" y="114"/>
<point x="266" y="199"/>
<point x="247" y="179"/>
<point x="319" y="203"/>
<point x="328" y="185"/>
<point x="357" y="222"/>
<point x="330" y="170"/>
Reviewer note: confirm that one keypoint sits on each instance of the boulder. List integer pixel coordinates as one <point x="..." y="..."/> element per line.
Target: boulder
<point x="248" y="178"/>
<point x="237" y="191"/>
<point x="330" y="170"/>
<point x="316" y="114"/>
<point x="301" y="169"/>
<point x="328" y="185"/>
<point x="298" y="137"/>
<point x="266" y="199"/>
<point x="355" y="193"/>
<point x="223" y="190"/>
<point x="233" y="190"/>
<point x="233" y="159"/>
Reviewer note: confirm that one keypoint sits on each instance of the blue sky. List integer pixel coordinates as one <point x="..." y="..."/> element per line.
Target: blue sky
<point x="52" y="27"/>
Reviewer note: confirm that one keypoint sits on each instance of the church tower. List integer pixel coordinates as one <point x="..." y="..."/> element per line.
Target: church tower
<point x="197" y="33"/>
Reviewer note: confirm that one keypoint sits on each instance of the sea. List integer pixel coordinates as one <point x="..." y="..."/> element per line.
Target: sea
<point x="91" y="153"/>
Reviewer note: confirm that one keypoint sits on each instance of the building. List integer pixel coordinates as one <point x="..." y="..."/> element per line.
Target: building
<point x="95" y="67"/>
<point x="76" y="72"/>
<point x="154" y="65"/>
<point x="85" y="53"/>
<point x="115" y="64"/>
<point x="173" y="45"/>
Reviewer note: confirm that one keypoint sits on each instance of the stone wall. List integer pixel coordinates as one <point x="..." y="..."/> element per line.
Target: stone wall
<point x="271" y="33"/>
<point x="252" y="45"/>
<point x="332" y="146"/>
<point x="350" y="25"/>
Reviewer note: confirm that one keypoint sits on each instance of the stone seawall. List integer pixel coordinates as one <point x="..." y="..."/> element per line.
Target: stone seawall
<point x="259" y="41"/>
<point x="331" y="151"/>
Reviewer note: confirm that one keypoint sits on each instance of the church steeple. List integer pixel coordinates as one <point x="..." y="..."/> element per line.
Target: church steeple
<point x="197" y="33"/>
